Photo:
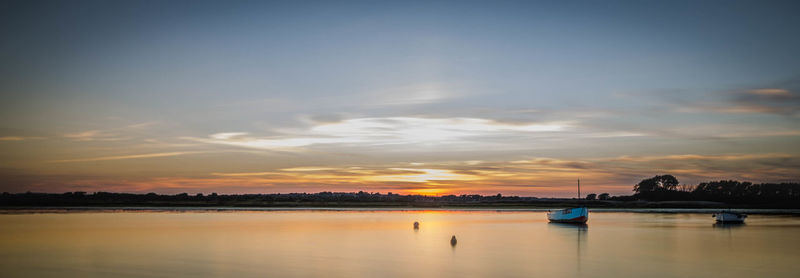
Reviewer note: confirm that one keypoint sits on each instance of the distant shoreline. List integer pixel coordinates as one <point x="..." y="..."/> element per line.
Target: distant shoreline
<point x="356" y="201"/>
<point x="542" y="205"/>
<point x="539" y="204"/>
<point x="90" y="209"/>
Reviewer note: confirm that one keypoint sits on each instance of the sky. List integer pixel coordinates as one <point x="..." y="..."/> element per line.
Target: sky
<point x="430" y="97"/>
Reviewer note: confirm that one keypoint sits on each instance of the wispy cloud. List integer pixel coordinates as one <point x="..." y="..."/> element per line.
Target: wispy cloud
<point x="540" y="176"/>
<point x="307" y="169"/>
<point x="765" y="101"/>
<point x="425" y="93"/>
<point x="537" y="176"/>
<point x="119" y="157"/>
<point x="387" y="131"/>
<point x="95" y="135"/>
<point x="423" y="175"/>
<point x="771" y="92"/>
<point x="109" y="134"/>
<point x="361" y="174"/>
<point x="244" y="174"/>
<point x="702" y="157"/>
<point x="20" y="138"/>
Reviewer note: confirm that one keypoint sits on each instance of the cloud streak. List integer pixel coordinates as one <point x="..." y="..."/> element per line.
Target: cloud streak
<point x="121" y="157"/>
<point x="110" y="134"/>
<point x="20" y="138"/>
<point x="535" y="176"/>
<point x="388" y="131"/>
<point x="779" y="101"/>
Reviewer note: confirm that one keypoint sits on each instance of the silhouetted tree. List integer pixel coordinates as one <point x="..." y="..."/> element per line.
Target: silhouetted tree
<point x="591" y="196"/>
<point x="665" y="182"/>
<point x="685" y="188"/>
<point x="659" y="188"/>
<point x="735" y="191"/>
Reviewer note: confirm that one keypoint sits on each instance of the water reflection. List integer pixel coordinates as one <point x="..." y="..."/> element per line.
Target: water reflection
<point x="380" y="244"/>
<point x="570" y="226"/>
<point x="728" y="225"/>
<point x="569" y="230"/>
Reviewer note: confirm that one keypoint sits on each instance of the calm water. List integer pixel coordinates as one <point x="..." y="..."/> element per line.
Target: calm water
<point x="383" y="244"/>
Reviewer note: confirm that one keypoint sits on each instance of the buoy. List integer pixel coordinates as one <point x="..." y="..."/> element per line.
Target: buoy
<point x="453" y="240"/>
<point x="416" y="225"/>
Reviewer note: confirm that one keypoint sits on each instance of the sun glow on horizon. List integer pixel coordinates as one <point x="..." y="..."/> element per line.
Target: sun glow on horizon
<point x="428" y="191"/>
<point x="422" y="175"/>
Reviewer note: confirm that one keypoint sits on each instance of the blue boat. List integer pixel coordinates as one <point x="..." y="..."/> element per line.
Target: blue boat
<point x="570" y="215"/>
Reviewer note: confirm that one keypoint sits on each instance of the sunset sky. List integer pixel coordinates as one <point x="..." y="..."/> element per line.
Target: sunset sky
<point x="461" y="97"/>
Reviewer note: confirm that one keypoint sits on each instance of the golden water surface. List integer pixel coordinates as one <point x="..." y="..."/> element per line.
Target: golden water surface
<point x="384" y="244"/>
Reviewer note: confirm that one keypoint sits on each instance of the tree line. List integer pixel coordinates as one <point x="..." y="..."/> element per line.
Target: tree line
<point x="668" y="188"/>
<point x="329" y="199"/>
<point x="657" y="188"/>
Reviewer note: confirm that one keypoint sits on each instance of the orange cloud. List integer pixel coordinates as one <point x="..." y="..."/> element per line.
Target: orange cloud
<point x="528" y="177"/>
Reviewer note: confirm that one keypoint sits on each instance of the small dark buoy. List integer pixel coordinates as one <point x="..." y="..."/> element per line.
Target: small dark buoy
<point x="416" y="225"/>
<point x="453" y="241"/>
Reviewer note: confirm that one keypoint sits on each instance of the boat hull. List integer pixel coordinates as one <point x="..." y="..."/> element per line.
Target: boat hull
<point x="570" y="215"/>
<point x="729" y="217"/>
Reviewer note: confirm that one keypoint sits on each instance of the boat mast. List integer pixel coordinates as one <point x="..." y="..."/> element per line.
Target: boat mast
<point x="579" y="189"/>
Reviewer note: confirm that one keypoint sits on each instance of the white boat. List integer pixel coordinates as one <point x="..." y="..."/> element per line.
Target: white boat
<point x="570" y="215"/>
<point x="730" y="217"/>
